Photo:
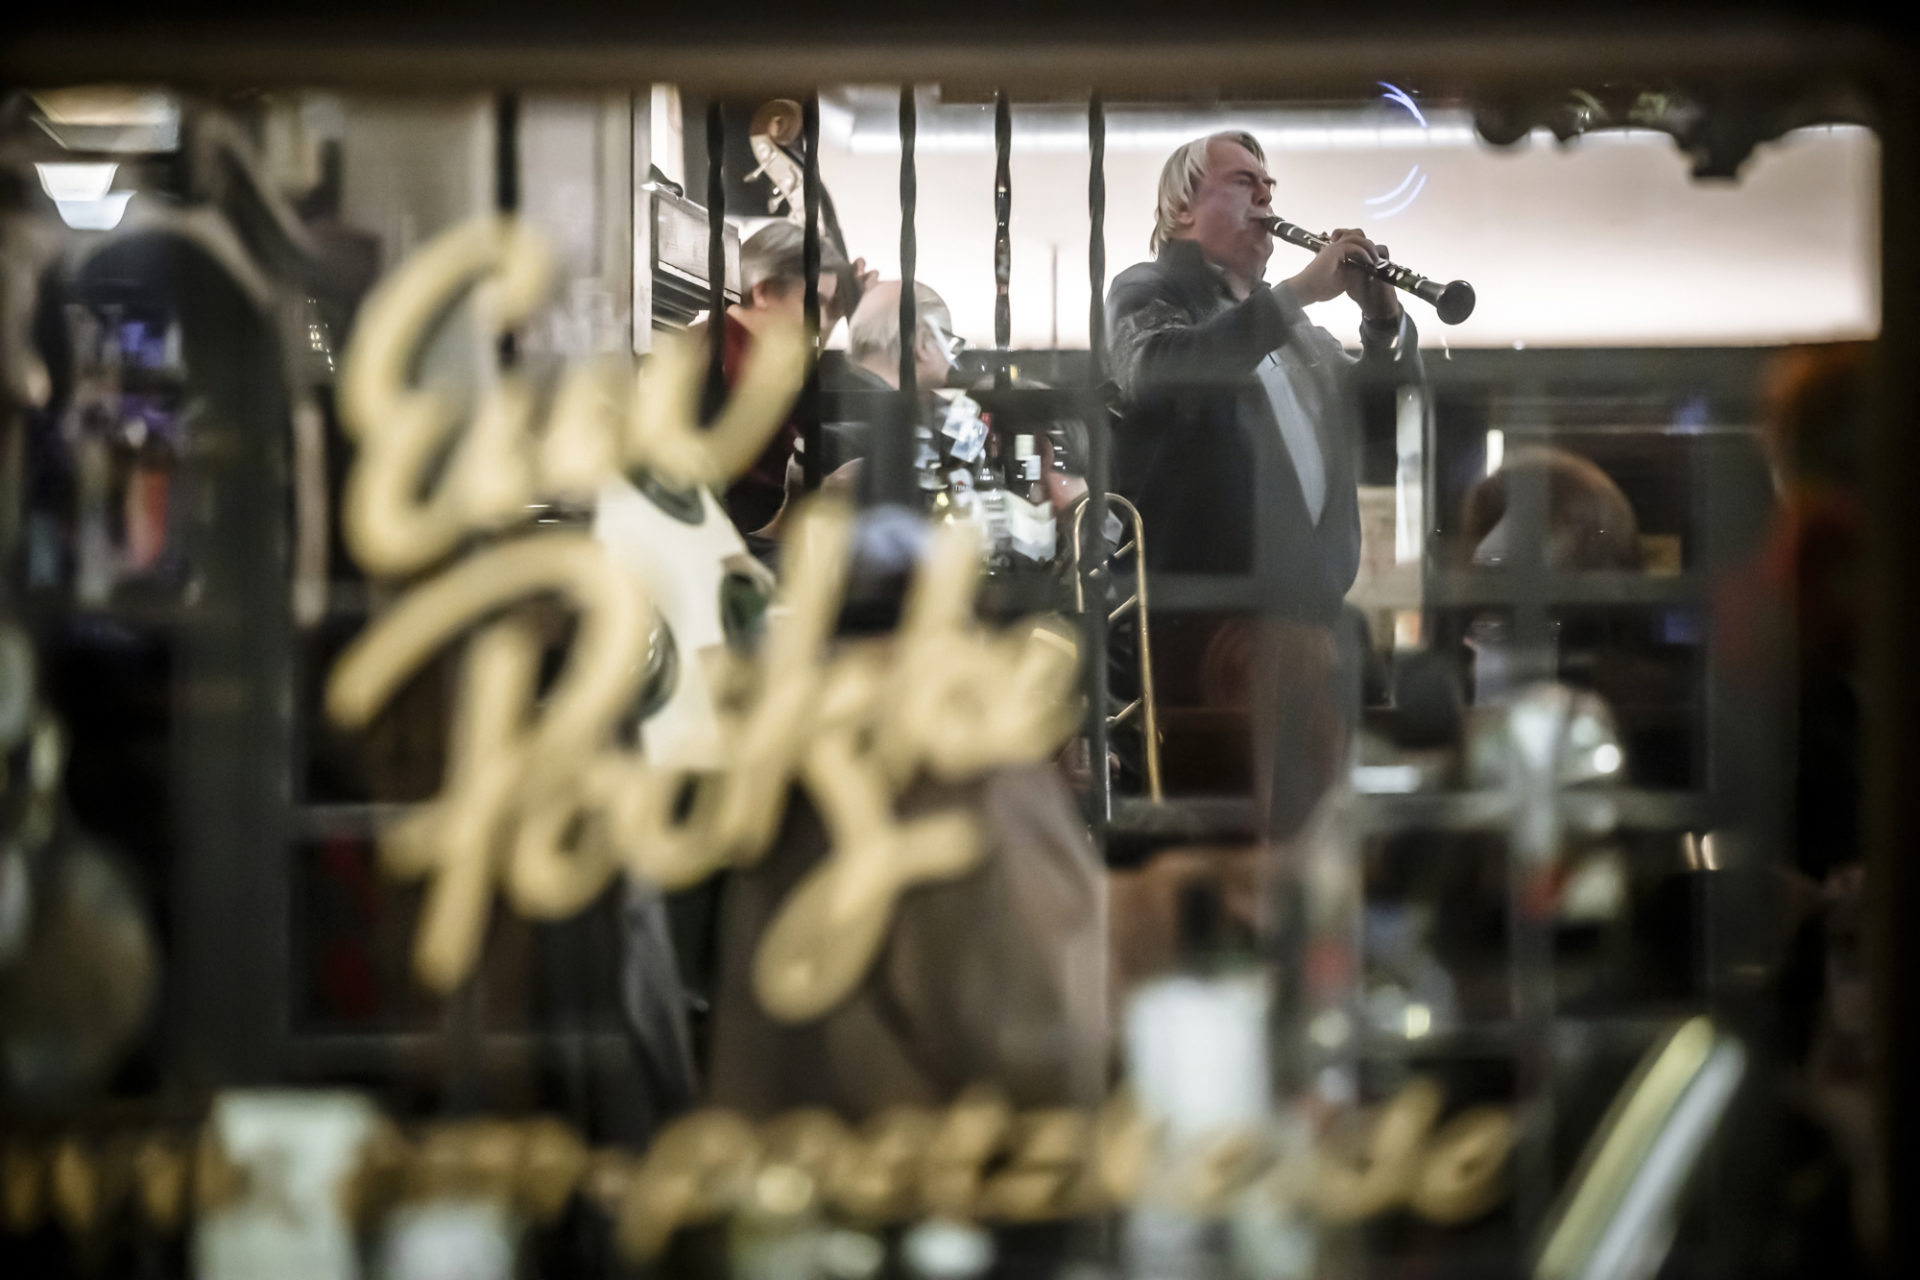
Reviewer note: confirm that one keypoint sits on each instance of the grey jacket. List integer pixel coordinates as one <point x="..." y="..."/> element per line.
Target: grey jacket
<point x="1185" y="355"/>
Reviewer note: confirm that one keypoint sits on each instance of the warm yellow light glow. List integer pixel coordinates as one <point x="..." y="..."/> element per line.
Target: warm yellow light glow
<point x="1329" y="1029"/>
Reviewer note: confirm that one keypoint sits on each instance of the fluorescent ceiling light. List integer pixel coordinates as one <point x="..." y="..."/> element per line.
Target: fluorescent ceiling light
<point x="103" y="214"/>
<point x="74" y="181"/>
<point x="110" y="118"/>
<point x="1386" y="779"/>
<point x="866" y="121"/>
<point x="1160" y="131"/>
<point x="107" y="105"/>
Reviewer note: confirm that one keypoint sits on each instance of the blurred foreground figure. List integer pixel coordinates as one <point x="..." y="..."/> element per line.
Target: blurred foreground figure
<point x="997" y="977"/>
<point x="1789" y="625"/>
<point x="1217" y="370"/>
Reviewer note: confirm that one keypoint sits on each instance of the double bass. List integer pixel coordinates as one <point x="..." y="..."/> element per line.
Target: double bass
<point x="774" y="136"/>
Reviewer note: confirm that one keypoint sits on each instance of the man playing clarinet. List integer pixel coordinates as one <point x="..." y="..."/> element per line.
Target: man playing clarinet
<point x="1218" y="369"/>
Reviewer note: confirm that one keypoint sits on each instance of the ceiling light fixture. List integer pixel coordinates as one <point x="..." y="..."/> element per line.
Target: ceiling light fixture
<point x="103" y="214"/>
<point x="66" y="180"/>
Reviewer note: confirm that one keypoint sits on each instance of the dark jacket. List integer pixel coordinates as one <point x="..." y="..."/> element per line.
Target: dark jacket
<point x="1185" y="357"/>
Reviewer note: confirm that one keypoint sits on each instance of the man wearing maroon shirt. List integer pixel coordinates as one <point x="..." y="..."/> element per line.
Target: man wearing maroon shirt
<point x="773" y="291"/>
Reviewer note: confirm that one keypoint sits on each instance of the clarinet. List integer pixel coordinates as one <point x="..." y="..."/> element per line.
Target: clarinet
<point x="1454" y="301"/>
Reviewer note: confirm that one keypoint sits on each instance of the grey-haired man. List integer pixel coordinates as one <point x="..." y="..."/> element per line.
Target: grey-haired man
<point x="1215" y="367"/>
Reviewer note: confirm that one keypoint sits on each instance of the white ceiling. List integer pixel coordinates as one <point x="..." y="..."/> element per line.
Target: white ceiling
<point x="1607" y="242"/>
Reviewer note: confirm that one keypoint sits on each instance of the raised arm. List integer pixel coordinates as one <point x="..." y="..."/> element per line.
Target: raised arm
<point x="1155" y="347"/>
<point x="1392" y="352"/>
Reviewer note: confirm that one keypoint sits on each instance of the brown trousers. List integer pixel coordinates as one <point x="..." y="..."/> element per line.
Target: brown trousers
<point x="1250" y="706"/>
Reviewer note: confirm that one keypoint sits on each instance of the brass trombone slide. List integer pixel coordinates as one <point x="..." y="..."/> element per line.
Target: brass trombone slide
<point x="1144" y="705"/>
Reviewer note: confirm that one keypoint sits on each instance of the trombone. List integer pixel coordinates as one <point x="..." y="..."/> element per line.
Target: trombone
<point x="1144" y="705"/>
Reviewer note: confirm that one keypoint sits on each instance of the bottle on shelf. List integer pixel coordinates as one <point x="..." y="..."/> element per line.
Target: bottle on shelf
<point x="927" y="470"/>
<point x="1022" y="467"/>
<point x="990" y="504"/>
<point x="1197" y="1050"/>
<point x="1033" y="533"/>
<point x="147" y="510"/>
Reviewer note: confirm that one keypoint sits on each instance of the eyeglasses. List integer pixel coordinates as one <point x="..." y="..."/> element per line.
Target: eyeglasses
<point x="949" y="345"/>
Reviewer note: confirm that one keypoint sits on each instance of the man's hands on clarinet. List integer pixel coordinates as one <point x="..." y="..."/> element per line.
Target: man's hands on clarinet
<point x="1346" y="266"/>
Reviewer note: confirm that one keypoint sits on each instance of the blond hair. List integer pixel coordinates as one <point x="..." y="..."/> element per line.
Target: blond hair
<point x="1182" y="173"/>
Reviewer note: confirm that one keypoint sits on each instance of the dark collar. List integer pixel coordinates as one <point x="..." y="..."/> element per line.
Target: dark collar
<point x="1184" y="261"/>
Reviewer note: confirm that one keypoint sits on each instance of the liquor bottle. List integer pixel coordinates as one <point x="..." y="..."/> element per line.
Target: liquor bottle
<point x="941" y="1250"/>
<point x="293" y="1153"/>
<point x="1023" y="477"/>
<point x="991" y="508"/>
<point x="147" y="505"/>
<point x="1032" y="531"/>
<point x="777" y="1234"/>
<point x="1197" y="1058"/>
<point x="1214" y="1075"/>
<point x="928" y="470"/>
<point x="1315" y="903"/>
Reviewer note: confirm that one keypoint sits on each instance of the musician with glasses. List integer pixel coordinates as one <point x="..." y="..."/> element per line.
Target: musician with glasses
<point x="871" y="369"/>
<point x="873" y="338"/>
<point x="1215" y="368"/>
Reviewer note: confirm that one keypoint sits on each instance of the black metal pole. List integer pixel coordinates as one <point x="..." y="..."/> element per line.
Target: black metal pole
<point x="1097" y="240"/>
<point x="1891" y="803"/>
<point x="716" y="259"/>
<point x="1002" y="243"/>
<point x="1092" y="547"/>
<point x="892" y="459"/>
<point x="909" y="198"/>
<point x="506" y="180"/>
<point x="810" y="253"/>
<point x="464" y="1022"/>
